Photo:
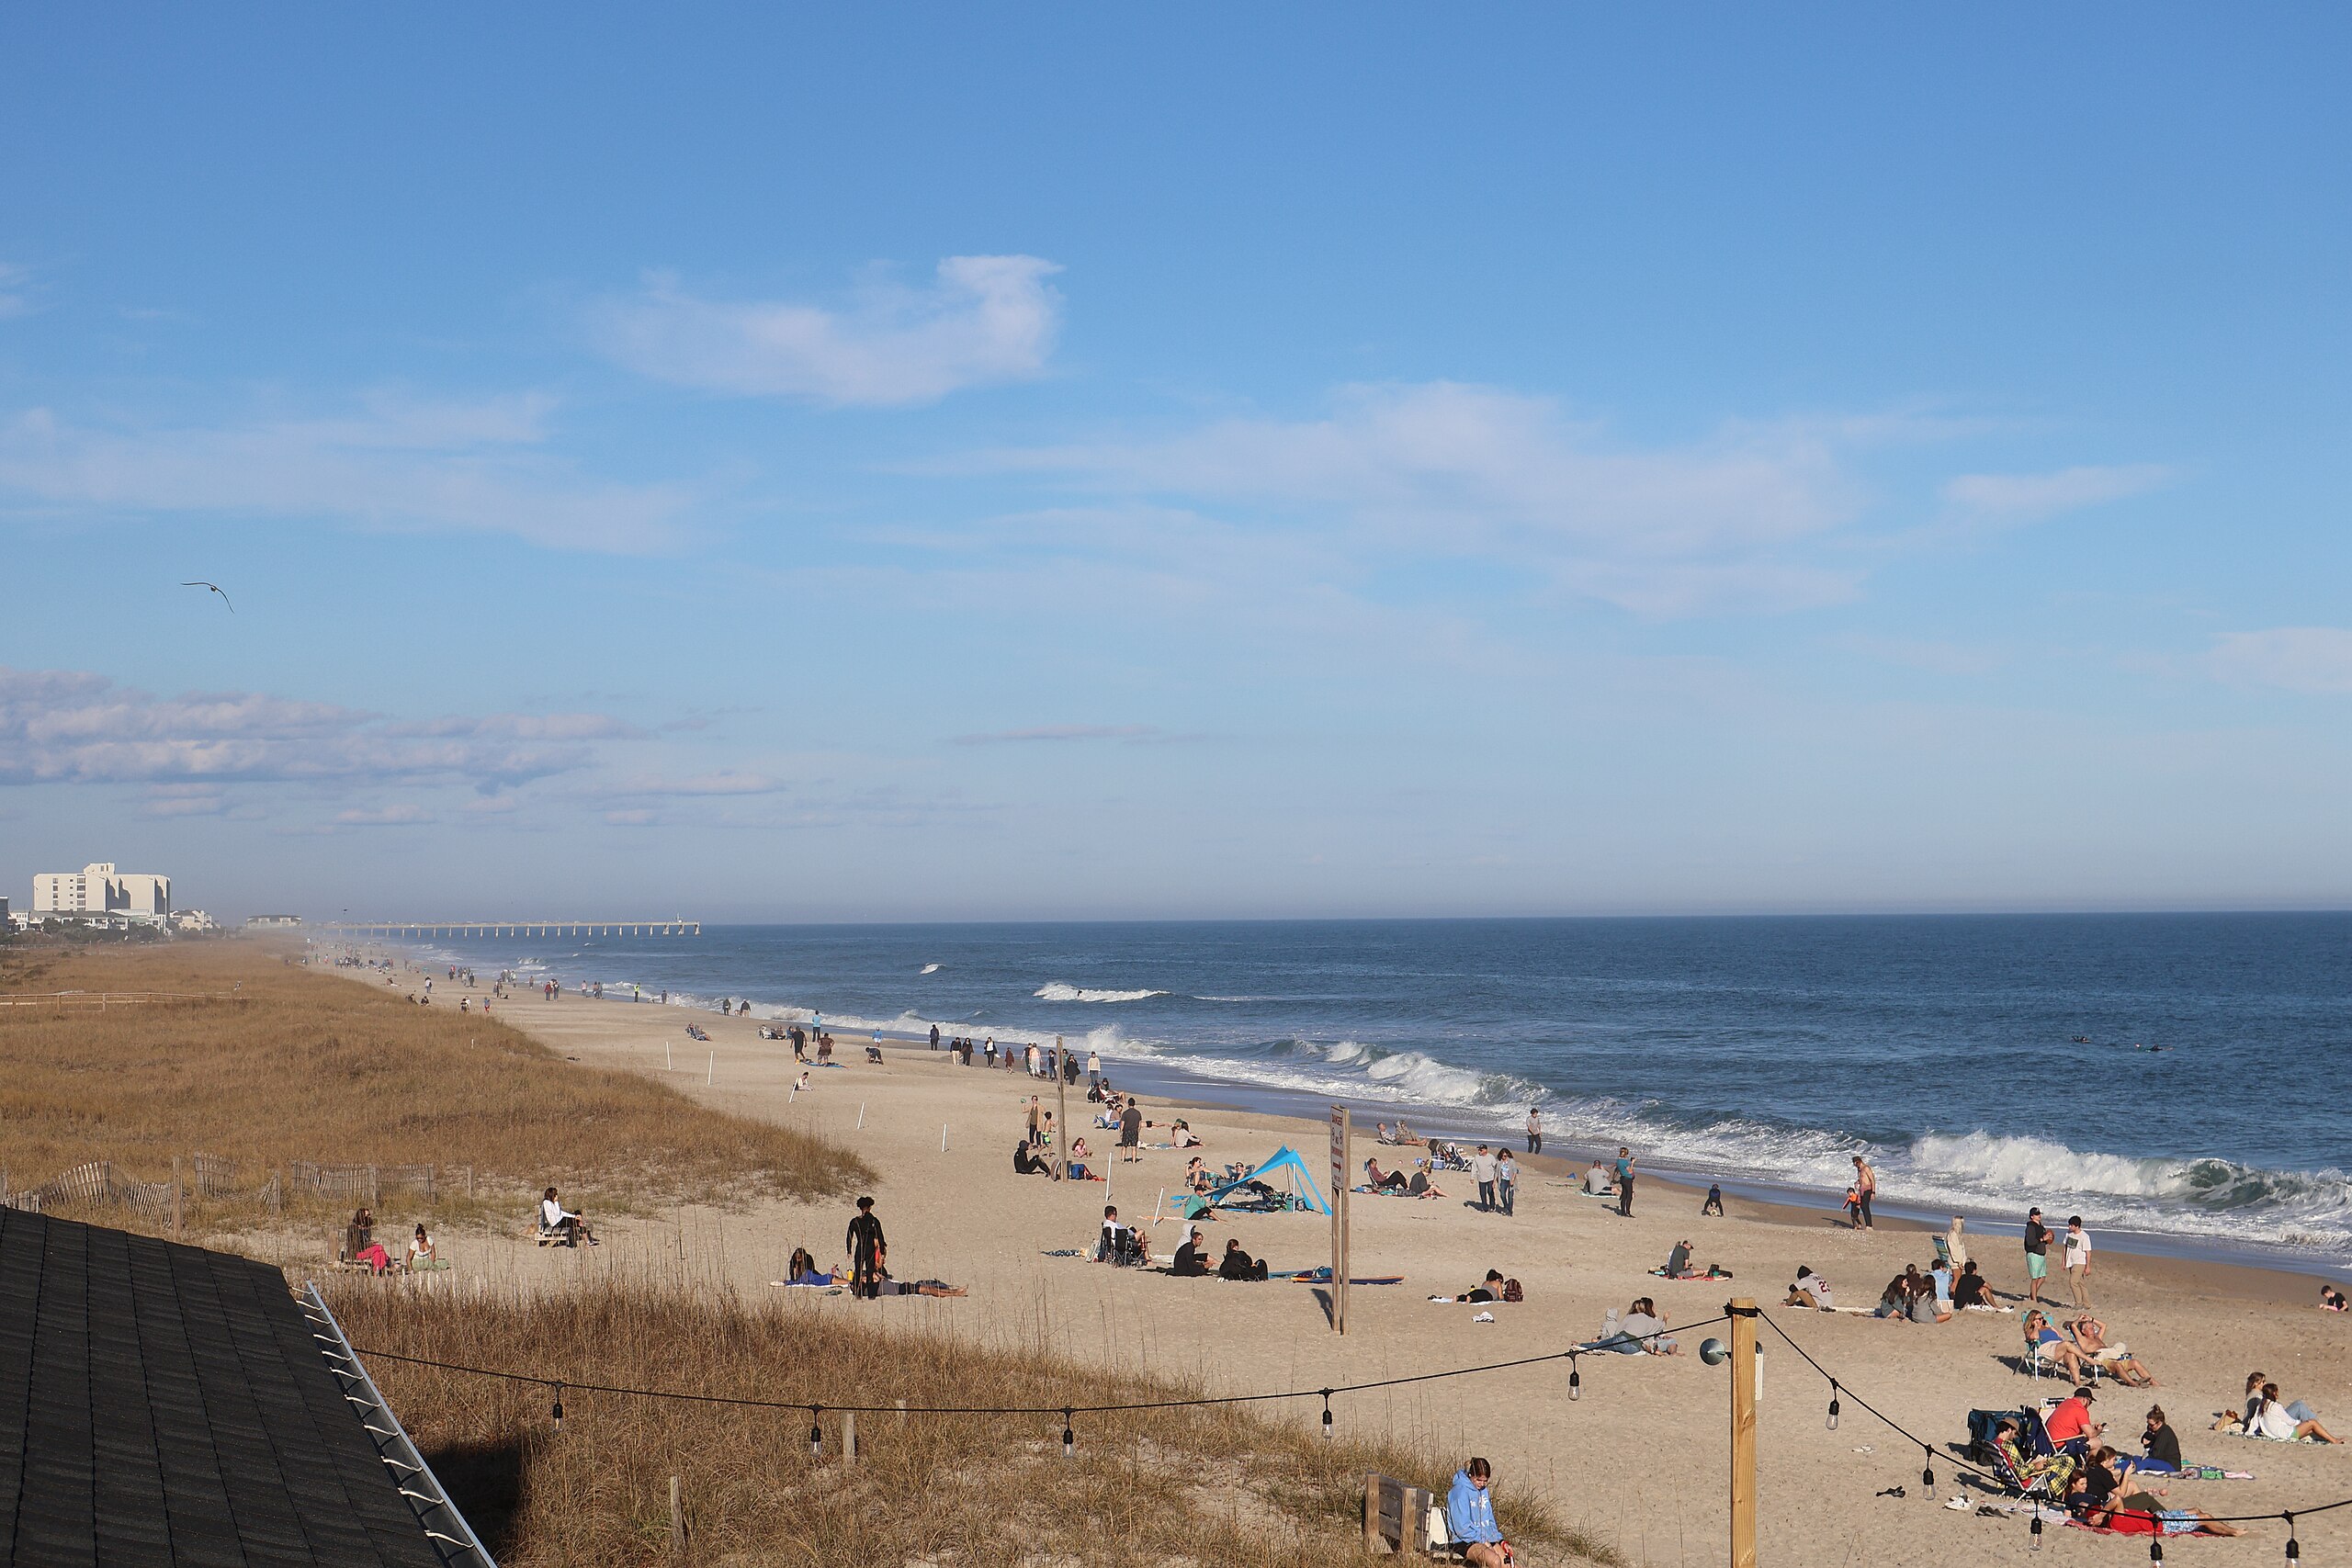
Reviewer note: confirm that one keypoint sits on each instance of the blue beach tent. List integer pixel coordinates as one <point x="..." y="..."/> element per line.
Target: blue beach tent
<point x="1285" y="1163"/>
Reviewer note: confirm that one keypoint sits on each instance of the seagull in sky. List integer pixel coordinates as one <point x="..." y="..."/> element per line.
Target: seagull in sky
<point x="216" y="588"/>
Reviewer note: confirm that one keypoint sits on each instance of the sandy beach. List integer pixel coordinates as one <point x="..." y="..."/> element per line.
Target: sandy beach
<point x="1640" y="1458"/>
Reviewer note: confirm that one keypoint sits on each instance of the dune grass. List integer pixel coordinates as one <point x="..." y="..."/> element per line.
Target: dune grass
<point x="309" y="1065"/>
<point x="1214" y="1484"/>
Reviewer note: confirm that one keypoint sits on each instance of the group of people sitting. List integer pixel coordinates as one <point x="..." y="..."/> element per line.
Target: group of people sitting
<point x="2266" y="1415"/>
<point x="803" y="1270"/>
<point x="2080" y="1347"/>
<point x="360" y="1245"/>
<point x="1932" y="1296"/>
<point x="2103" y="1487"/>
<point x="1417" y="1185"/>
<point x="1397" y="1132"/>
<point x="1193" y="1259"/>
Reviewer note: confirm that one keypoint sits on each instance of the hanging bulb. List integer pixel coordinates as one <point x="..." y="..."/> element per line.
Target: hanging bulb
<point x="1833" y="1406"/>
<point x="558" y="1412"/>
<point x="1069" y="1438"/>
<point x="2155" y="1551"/>
<point x="816" y="1432"/>
<point x="1326" y="1415"/>
<point x="2294" y="1548"/>
<point x="1576" y="1380"/>
<point x="2037" y="1526"/>
<point x="1927" y="1472"/>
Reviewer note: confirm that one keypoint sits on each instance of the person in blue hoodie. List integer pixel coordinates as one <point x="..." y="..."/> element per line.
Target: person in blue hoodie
<point x="1470" y="1517"/>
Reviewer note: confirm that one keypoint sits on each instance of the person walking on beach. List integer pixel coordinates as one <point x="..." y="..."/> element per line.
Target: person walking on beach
<point x="1482" y="1171"/>
<point x="1534" y="1131"/>
<point x="2078" y="1261"/>
<point x="1865" y="1188"/>
<point x="866" y="1250"/>
<point x="2037" y="1256"/>
<point x="1625" y="1182"/>
<point x="1505" y="1179"/>
<point x="934" y="1037"/>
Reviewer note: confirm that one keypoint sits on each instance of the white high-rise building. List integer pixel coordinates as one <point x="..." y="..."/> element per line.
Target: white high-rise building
<point x="98" y="889"/>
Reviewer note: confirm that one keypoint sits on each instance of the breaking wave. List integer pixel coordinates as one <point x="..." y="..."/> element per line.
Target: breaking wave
<point x="1056" y="991"/>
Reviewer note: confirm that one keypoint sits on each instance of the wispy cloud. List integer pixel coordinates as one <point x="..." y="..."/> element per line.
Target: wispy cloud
<point x="2026" y="497"/>
<point x="1447" y="469"/>
<point x="382" y="817"/>
<point x="717" y="783"/>
<point x="59" y="726"/>
<point x="984" y="320"/>
<point x="2313" y="660"/>
<point x="1052" y="732"/>
<point x="16" y="291"/>
<point x="393" y="464"/>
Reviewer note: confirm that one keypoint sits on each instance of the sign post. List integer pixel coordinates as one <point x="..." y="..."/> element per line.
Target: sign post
<point x="1340" y="1128"/>
<point x="1061" y="1107"/>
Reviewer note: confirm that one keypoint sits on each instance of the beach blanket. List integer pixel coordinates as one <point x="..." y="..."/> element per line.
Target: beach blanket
<point x="1713" y="1272"/>
<point x="1792" y="1306"/>
<point x="1322" y="1276"/>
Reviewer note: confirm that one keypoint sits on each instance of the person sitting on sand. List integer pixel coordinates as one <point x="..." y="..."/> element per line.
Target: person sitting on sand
<point x="1470" y="1518"/>
<point x="1811" y="1290"/>
<point x="1406" y="1134"/>
<point x="569" y="1227"/>
<point x="1182" y="1135"/>
<point x="1385" y="1133"/>
<point x="1196" y="1175"/>
<point x="1238" y="1265"/>
<point x="1969" y="1293"/>
<point x="1596" y="1181"/>
<point x="1713" y="1207"/>
<point x="2008" y="1437"/>
<point x="1027" y="1162"/>
<point x="1394" y="1181"/>
<point x="360" y="1245"/>
<point x="1490" y="1290"/>
<point x="1079" y="1155"/>
<point x="2090" y="1337"/>
<point x="1421" y="1186"/>
<point x="2275" y="1421"/>
<point x="1894" y="1301"/>
<point x="2160" y="1444"/>
<point x="2127" y="1510"/>
<point x="800" y="1084"/>
<point x="2331" y="1299"/>
<point x="422" y="1253"/>
<point x="2054" y="1346"/>
<point x="1192" y="1258"/>
<point x="1646" y="1324"/>
<point x="1677" y="1260"/>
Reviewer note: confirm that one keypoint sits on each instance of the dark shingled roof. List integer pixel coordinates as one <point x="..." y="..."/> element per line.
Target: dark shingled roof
<point x="163" y="1404"/>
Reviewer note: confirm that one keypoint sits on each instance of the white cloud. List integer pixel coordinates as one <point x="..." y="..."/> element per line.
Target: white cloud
<point x="382" y="817"/>
<point x="1062" y="733"/>
<point x="394" y="465"/>
<point x="986" y="319"/>
<point x="2023" y="498"/>
<point x="16" y="294"/>
<point x="2315" y="660"/>
<point x="1447" y="469"/>
<point x="60" y="726"/>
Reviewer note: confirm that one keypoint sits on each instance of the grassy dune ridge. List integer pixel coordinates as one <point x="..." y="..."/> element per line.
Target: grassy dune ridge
<point x="1212" y="1484"/>
<point x="312" y="1066"/>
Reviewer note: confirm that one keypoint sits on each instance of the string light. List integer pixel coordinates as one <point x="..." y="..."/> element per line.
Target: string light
<point x="2156" y="1550"/>
<point x="1069" y="1438"/>
<point x="816" y="1432"/>
<point x="1576" y="1379"/>
<point x="1833" y="1405"/>
<point x="558" y="1412"/>
<point x="1326" y="1415"/>
<point x="1927" y="1471"/>
<point x="2037" y="1526"/>
<point x="2294" y="1548"/>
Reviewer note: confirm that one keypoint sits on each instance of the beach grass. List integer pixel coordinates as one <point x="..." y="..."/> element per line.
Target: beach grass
<point x="1211" y="1484"/>
<point x="305" y="1065"/>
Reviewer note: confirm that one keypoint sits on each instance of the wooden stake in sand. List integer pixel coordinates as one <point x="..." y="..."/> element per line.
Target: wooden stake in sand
<point x="1744" y="1379"/>
<point x="943" y="1137"/>
<point x="861" y="1115"/>
<point x="677" y="1517"/>
<point x="710" y="1070"/>
<point x="669" y="1062"/>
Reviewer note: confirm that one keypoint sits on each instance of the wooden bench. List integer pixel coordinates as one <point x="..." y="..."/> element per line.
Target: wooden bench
<point x="1401" y="1518"/>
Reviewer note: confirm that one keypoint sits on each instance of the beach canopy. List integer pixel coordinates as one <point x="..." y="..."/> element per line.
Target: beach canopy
<point x="1285" y="1164"/>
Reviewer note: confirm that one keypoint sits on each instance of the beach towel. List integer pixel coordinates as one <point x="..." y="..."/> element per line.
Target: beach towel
<point x="1322" y="1276"/>
<point x="1713" y="1271"/>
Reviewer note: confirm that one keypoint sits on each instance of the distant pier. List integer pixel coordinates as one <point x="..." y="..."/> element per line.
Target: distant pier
<point x="398" y="929"/>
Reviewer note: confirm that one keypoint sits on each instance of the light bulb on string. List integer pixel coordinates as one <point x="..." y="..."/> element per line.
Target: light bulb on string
<point x="2155" y="1551"/>
<point x="2294" y="1548"/>
<point x="556" y="1411"/>
<point x="816" y="1431"/>
<point x="1327" y="1413"/>
<point x="1069" y="1438"/>
<point x="1927" y="1471"/>
<point x="1833" y="1406"/>
<point x="2037" y="1526"/>
<point x="1576" y="1379"/>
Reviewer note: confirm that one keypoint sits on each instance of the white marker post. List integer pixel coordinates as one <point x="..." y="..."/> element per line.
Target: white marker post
<point x="710" y="1070"/>
<point x="943" y="1137"/>
<point x="861" y="1115"/>
<point x="1341" y="1129"/>
<point x="669" y="1058"/>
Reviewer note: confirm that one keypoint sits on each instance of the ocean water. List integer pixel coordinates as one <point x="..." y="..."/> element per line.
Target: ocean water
<point x="1756" y="1049"/>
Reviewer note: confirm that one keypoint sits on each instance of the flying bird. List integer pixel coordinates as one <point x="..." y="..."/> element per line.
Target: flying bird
<point x="216" y="588"/>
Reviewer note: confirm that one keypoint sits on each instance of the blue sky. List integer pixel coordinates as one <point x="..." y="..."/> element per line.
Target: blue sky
<point x="1054" y="463"/>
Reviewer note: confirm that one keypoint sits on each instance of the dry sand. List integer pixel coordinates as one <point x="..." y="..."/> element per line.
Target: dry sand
<point x="1641" y="1459"/>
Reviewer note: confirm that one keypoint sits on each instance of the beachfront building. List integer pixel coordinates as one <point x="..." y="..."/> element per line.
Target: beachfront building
<point x="99" y="889"/>
<point x="264" y="921"/>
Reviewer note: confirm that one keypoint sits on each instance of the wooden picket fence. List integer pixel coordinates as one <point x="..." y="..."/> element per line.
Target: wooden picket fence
<point x="97" y="1182"/>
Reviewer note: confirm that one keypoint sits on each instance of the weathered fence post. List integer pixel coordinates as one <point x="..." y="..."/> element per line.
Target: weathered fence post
<point x="849" y="1437"/>
<point x="677" y="1517"/>
<point x="176" y="1194"/>
<point x="371" y="1186"/>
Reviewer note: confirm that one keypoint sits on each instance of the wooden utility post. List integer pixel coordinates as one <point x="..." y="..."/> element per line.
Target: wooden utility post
<point x="1061" y="1109"/>
<point x="1342" y="1128"/>
<point x="1742" y="1312"/>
